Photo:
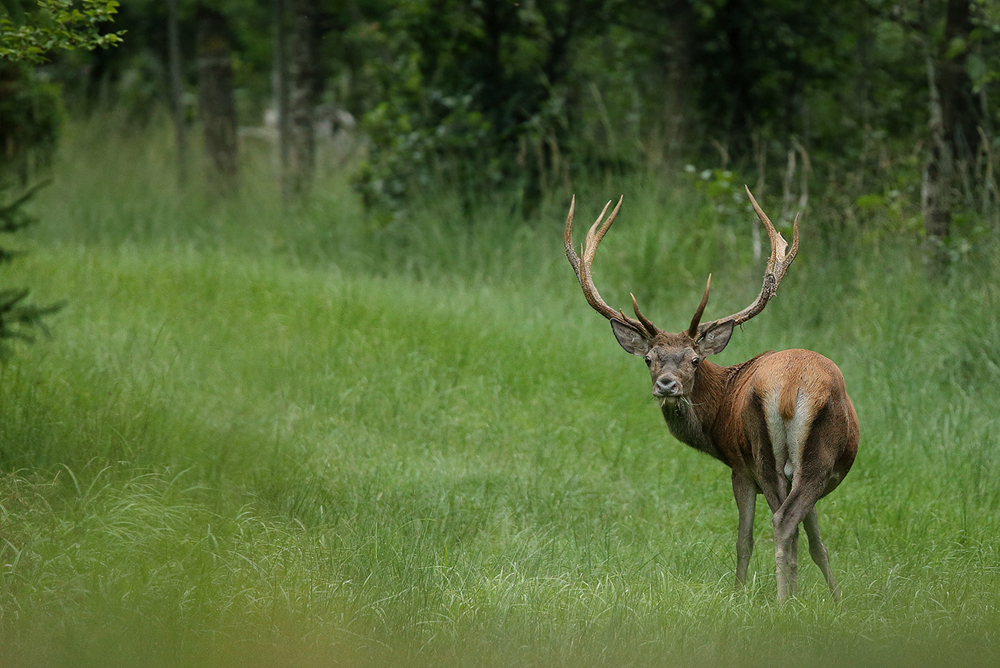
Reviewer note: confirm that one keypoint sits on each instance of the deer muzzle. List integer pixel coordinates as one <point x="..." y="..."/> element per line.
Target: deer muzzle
<point x="665" y="386"/>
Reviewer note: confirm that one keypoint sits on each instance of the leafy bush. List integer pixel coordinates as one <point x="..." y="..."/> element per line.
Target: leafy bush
<point x="31" y="111"/>
<point x="54" y="24"/>
<point x="415" y="149"/>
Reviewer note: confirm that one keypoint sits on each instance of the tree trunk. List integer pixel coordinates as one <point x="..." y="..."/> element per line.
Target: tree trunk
<point x="954" y="117"/>
<point x="303" y="94"/>
<point x="959" y="108"/>
<point x="177" y="90"/>
<point x="280" y="86"/>
<point x="679" y="64"/>
<point x="935" y="192"/>
<point x="215" y="100"/>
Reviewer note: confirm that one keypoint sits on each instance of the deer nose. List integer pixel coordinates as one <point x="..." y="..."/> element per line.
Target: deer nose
<point x="666" y="387"/>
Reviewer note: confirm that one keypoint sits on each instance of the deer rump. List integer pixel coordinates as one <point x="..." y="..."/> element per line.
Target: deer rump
<point x="793" y="403"/>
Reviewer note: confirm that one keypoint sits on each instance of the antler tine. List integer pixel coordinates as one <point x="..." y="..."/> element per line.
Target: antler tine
<point x="582" y="267"/>
<point x="571" y="255"/>
<point x="693" y="328"/>
<point x="777" y="265"/>
<point x="650" y="328"/>
<point x="597" y="231"/>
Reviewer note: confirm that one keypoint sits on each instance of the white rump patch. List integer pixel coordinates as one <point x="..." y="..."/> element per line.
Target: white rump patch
<point x="787" y="436"/>
<point x="797" y="429"/>
<point x="776" y="430"/>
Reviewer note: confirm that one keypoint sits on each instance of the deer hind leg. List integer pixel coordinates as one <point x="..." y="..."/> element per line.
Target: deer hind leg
<point x="798" y="505"/>
<point x="818" y="551"/>
<point x="786" y="538"/>
<point x="775" y="490"/>
<point x="787" y="425"/>
<point x="812" y="479"/>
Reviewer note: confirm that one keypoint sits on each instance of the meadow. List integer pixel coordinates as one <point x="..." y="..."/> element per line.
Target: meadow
<point x="261" y="438"/>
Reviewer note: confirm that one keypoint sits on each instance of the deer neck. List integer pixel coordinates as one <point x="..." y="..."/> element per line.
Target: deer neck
<point x="691" y="420"/>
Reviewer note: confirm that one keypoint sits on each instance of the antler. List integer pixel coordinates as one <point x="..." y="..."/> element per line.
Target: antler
<point x="777" y="265"/>
<point x="583" y="274"/>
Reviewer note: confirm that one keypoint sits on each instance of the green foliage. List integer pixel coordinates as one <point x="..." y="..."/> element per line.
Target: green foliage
<point x="31" y="113"/>
<point x="473" y="97"/>
<point x="30" y="117"/>
<point x="983" y="60"/>
<point x="54" y="25"/>
<point x="520" y="101"/>
<point x="758" y="63"/>
<point x="721" y="187"/>
<point x="414" y="154"/>
<point x="17" y="318"/>
<point x="543" y="95"/>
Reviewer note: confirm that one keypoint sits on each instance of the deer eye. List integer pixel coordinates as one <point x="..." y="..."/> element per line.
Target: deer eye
<point x="649" y="360"/>
<point x="695" y="360"/>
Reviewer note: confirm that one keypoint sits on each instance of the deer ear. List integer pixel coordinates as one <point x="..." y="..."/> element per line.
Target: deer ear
<point x="632" y="340"/>
<point x="715" y="339"/>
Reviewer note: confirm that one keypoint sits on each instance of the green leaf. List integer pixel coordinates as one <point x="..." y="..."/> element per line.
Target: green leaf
<point x="956" y="47"/>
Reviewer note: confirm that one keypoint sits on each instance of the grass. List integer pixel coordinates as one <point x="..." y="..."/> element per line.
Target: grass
<point x="264" y="439"/>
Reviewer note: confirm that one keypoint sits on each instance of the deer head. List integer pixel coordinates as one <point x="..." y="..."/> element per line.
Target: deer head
<point x="674" y="359"/>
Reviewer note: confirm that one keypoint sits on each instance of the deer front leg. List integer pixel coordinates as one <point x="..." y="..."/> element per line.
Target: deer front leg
<point x="746" y="503"/>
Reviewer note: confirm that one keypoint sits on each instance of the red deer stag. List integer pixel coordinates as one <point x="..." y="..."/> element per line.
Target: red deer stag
<point x="781" y="421"/>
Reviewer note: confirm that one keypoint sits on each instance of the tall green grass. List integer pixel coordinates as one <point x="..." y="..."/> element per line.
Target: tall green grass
<point x="267" y="438"/>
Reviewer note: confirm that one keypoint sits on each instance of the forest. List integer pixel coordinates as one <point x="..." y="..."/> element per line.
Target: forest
<point x="294" y="371"/>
